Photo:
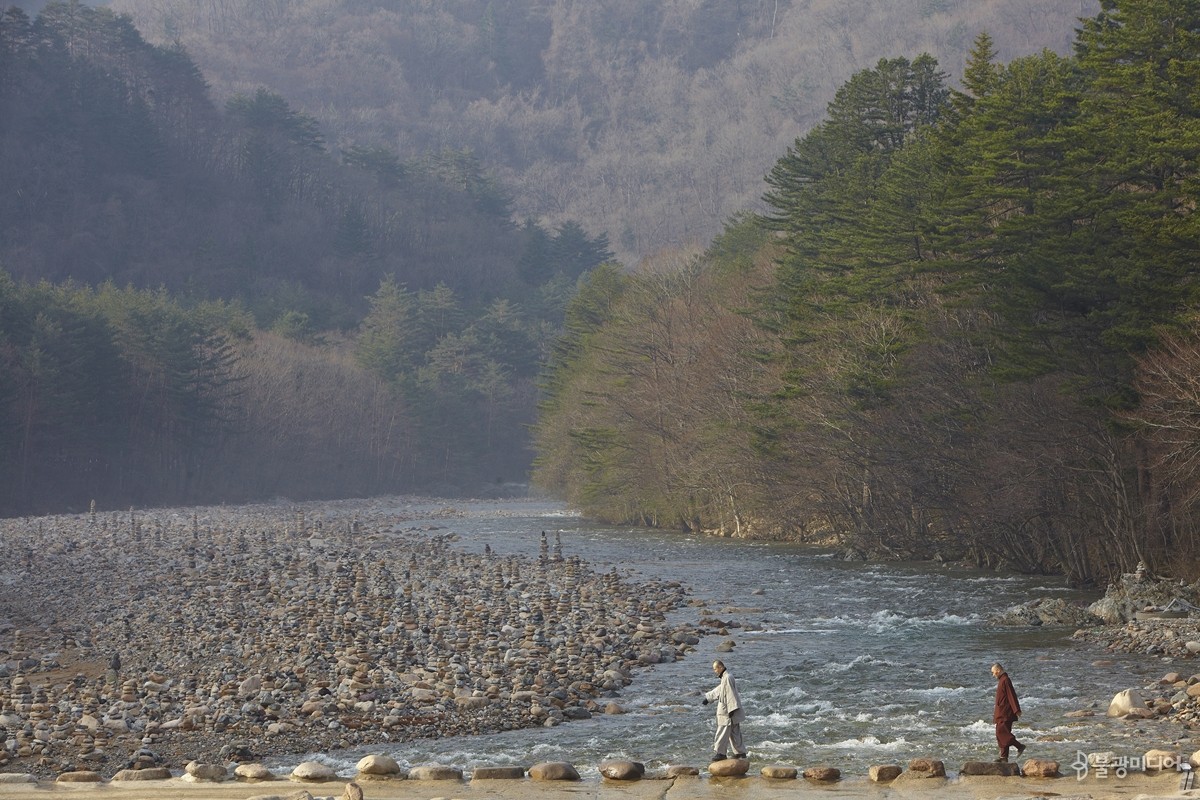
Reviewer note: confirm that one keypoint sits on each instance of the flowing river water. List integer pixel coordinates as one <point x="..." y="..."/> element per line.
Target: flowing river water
<point x="856" y="664"/>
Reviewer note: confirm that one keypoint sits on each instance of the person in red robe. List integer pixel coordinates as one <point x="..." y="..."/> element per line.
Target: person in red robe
<point x="1008" y="708"/>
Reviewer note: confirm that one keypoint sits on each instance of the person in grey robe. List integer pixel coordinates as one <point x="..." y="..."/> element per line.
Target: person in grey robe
<point x="729" y="714"/>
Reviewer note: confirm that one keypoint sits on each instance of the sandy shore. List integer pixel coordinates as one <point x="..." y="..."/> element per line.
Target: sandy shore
<point x="681" y="788"/>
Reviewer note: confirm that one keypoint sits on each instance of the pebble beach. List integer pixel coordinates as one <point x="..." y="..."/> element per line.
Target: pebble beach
<point x="156" y="638"/>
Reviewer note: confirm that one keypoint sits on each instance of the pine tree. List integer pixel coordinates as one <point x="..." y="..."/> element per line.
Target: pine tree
<point x="388" y="335"/>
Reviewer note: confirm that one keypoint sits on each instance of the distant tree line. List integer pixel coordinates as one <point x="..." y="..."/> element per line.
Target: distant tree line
<point x="966" y="329"/>
<point x="203" y="304"/>
<point x="122" y="168"/>
<point x="126" y="396"/>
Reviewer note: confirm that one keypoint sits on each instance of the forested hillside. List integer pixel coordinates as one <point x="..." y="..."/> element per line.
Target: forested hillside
<point x="202" y="301"/>
<point x="965" y="327"/>
<point x="652" y="120"/>
<point x="958" y="320"/>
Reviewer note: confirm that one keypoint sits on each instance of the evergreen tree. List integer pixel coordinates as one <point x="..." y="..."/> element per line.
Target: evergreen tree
<point x="1134" y="149"/>
<point x="981" y="73"/>
<point x="387" y="338"/>
<point x="572" y="252"/>
<point x="439" y="313"/>
<point x="268" y="113"/>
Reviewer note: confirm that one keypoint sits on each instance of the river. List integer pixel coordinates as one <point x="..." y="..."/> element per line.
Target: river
<point x="856" y="664"/>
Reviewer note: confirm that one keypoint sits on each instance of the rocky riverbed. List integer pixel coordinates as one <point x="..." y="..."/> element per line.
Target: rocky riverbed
<point x="1143" y="614"/>
<point x="1175" y="642"/>
<point x="154" y="638"/>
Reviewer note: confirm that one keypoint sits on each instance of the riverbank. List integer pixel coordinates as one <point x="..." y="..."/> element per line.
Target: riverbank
<point x="1173" y="643"/>
<point x="154" y="638"/>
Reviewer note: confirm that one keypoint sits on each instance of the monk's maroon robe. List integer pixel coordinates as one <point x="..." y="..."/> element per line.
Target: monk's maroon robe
<point x="1008" y="708"/>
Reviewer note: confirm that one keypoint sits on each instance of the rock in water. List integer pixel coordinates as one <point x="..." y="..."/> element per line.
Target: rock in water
<point x="313" y="771"/>
<point x="497" y="773"/>
<point x="729" y="767"/>
<point x="378" y="765"/>
<point x="884" y="773"/>
<point x="1041" y="768"/>
<point x="1001" y="768"/>
<point x="435" y="772"/>
<point x="926" y="768"/>
<point x="618" y="770"/>
<point x="553" y="771"/>
<point x="1126" y="702"/>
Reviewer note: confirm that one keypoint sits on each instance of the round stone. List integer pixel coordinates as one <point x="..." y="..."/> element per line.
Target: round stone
<point x="553" y="771"/>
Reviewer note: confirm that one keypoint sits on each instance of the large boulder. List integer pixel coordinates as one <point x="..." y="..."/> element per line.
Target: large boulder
<point x="1127" y="702"/>
<point x="620" y="770"/>
<point x="1040" y="768"/>
<point x="497" y="773"/>
<point x="378" y="765"/>
<point x="884" y="773"/>
<point x="253" y="771"/>
<point x="926" y="768"/>
<point x="729" y="767"/>
<point x="197" y="771"/>
<point x="313" y="771"/>
<point x="80" y="776"/>
<point x="1001" y="768"/>
<point x="1158" y="760"/>
<point x="779" y="772"/>
<point x="435" y="772"/>
<point x="553" y="771"/>
<point x="823" y="774"/>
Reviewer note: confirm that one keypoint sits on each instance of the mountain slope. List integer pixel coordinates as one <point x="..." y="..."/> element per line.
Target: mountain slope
<point x="654" y="121"/>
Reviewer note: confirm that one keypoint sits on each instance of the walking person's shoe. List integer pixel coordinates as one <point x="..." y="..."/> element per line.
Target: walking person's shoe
<point x="717" y="757"/>
<point x="740" y="755"/>
<point x="1020" y="749"/>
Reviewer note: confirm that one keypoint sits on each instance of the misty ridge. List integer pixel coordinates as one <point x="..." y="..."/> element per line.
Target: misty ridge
<point x="876" y="276"/>
<point x="651" y="122"/>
